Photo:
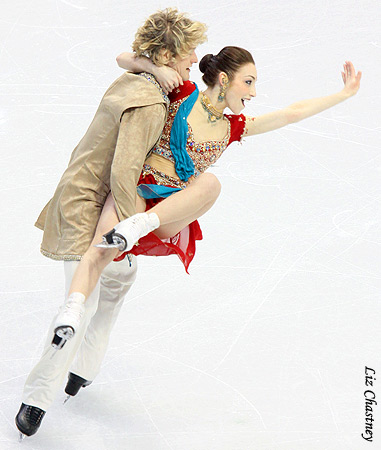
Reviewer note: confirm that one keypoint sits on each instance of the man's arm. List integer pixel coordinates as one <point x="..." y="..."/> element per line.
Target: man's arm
<point x="140" y="128"/>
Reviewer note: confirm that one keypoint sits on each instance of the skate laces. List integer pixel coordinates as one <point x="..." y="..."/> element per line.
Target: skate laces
<point x="34" y="415"/>
<point x="137" y="226"/>
<point x="73" y="312"/>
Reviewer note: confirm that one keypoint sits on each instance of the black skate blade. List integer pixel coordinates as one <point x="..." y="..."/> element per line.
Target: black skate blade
<point x="58" y="342"/>
<point x="61" y="336"/>
<point x="107" y="240"/>
<point x="113" y="240"/>
<point x="108" y="237"/>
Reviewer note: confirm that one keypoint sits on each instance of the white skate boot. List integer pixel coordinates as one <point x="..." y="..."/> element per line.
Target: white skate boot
<point x="68" y="319"/>
<point x="126" y="233"/>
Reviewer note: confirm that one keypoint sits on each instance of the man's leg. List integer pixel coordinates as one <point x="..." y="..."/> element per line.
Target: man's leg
<point x="116" y="280"/>
<point x="48" y="375"/>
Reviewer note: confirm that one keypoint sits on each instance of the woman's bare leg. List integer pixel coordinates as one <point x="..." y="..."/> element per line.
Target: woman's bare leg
<point x="182" y="208"/>
<point x="172" y="214"/>
<point x="96" y="259"/>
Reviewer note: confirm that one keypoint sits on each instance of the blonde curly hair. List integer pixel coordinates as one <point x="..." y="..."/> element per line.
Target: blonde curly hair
<point x="171" y="30"/>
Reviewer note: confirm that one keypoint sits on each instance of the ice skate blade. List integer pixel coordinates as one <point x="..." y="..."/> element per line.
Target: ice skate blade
<point x="22" y="436"/>
<point x="66" y="399"/>
<point x="55" y="351"/>
<point x="112" y="240"/>
<point x="106" y="245"/>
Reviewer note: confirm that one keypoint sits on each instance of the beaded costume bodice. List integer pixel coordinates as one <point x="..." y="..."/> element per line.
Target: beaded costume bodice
<point x="203" y="154"/>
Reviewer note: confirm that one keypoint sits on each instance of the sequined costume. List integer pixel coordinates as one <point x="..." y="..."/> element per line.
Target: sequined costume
<point x="203" y="155"/>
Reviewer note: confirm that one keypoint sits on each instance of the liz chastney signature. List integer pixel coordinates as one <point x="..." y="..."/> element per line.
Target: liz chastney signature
<point x="370" y="403"/>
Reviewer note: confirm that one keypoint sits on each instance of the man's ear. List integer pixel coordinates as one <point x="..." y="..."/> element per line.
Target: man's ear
<point x="165" y="56"/>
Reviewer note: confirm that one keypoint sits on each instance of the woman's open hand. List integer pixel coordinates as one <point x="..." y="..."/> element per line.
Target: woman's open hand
<point x="168" y="78"/>
<point x="351" y="80"/>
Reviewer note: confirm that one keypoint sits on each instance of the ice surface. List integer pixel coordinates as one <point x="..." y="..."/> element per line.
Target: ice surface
<point x="265" y="344"/>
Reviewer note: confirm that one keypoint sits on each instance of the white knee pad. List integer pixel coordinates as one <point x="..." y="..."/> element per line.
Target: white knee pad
<point x="123" y="272"/>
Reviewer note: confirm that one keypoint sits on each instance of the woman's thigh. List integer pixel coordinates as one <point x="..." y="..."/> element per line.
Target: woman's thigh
<point x="187" y="205"/>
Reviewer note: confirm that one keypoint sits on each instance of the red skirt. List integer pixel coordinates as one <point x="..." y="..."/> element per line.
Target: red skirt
<point x="183" y="244"/>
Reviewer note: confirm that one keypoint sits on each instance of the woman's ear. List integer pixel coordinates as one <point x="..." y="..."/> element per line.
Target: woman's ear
<point x="223" y="79"/>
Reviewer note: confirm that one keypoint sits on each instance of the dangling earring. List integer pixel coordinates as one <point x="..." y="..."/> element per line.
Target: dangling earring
<point x="221" y="95"/>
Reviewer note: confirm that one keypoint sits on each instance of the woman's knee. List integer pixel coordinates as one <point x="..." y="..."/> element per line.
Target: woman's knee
<point x="100" y="257"/>
<point x="211" y="186"/>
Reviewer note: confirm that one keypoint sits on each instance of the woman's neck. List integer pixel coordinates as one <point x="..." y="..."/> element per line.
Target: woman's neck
<point x="212" y="94"/>
<point x="210" y="106"/>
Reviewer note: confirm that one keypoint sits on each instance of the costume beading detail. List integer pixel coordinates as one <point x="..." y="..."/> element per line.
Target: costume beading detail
<point x="206" y="153"/>
<point x="152" y="79"/>
<point x="203" y="154"/>
<point x="60" y="257"/>
<point x="162" y="178"/>
<point x="248" y="120"/>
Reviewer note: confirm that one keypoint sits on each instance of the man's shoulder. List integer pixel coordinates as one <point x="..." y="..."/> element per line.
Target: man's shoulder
<point x="142" y="85"/>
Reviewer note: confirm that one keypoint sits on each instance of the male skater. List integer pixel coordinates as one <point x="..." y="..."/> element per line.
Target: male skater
<point x="109" y="157"/>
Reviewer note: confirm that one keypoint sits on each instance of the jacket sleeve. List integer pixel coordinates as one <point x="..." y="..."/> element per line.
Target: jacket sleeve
<point x="140" y="129"/>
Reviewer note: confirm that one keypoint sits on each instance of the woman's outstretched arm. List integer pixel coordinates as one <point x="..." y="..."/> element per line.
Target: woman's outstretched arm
<point x="167" y="78"/>
<point x="306" y="108"/>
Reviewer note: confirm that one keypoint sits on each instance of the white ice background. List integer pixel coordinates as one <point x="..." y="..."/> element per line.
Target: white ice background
<point x="264" y="345"/>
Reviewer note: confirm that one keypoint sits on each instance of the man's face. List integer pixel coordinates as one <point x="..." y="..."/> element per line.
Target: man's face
<point x="183" y="65"/>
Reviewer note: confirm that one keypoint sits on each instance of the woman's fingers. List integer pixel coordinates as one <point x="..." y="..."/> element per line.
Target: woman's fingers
<point x="351" y="69"/>
<point x="349" y="72"/>
<point x="350" y="78"/>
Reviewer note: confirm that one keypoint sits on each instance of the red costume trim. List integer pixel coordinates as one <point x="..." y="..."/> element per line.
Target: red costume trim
<point x="237" y="127"/>
<point x="182" y="91"/>
<point x="183" y="244"/>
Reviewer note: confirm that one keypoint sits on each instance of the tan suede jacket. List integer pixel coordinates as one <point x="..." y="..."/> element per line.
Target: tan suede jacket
<point x="109" y="157"/>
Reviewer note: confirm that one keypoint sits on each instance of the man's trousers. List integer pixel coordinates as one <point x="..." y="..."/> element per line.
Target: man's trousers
<point x="83" y="354"/>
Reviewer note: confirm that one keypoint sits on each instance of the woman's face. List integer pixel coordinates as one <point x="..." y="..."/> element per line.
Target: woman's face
<point x="241" y="88"/>
<point x="183" y="65"/>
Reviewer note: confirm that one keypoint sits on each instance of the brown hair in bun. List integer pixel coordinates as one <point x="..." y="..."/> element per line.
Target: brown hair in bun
<point x="205" y="61"/>
<point x="228" y="60"/>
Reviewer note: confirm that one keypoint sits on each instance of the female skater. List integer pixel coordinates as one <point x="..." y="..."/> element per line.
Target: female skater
<point x="174" y="189"/>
